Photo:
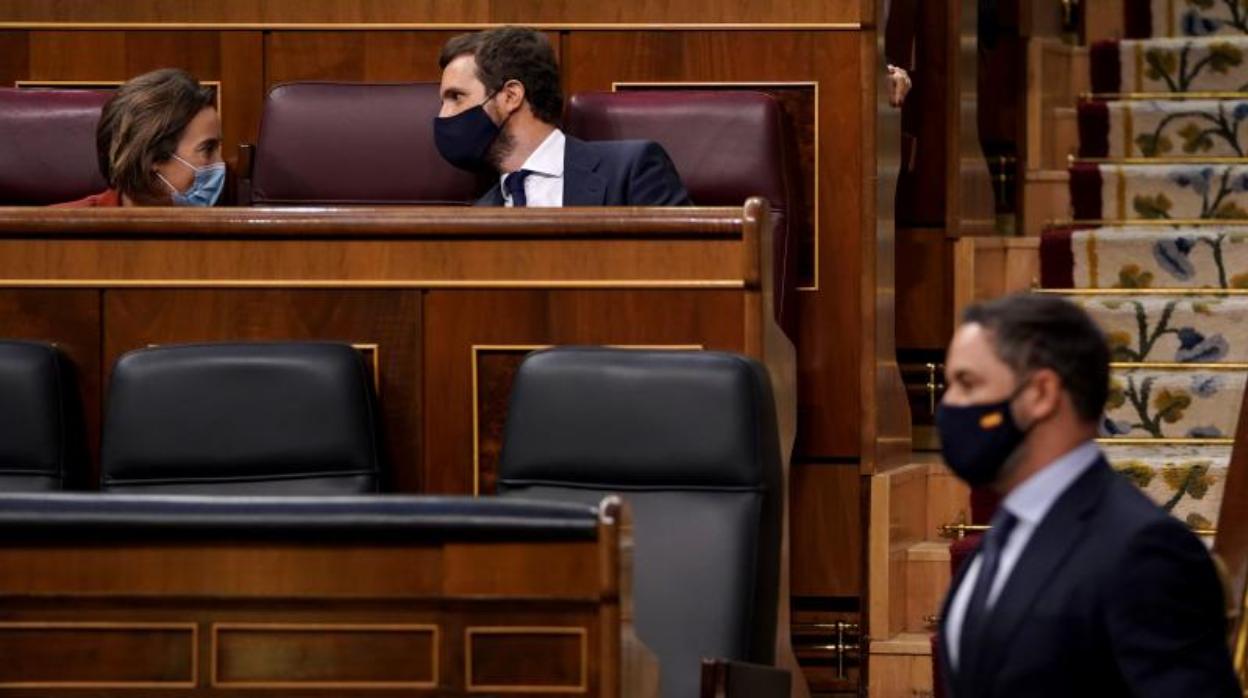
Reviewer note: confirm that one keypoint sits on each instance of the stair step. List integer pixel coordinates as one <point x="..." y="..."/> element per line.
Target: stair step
<point x="1152" y="66"/>
<point x="1159" y="129"/>
<point x="1161" y="329"/>
<point x="1187" y="481"/>
<point x="1170" y="403"/>
<point x="1180" y="192"/>
<point x="1146" y="256"/>
<point x="1170" y="18"/>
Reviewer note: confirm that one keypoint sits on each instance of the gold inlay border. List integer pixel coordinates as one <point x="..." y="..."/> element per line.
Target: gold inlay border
<point x="814" y="220"/>
<point x="1180" y="160"/>
<point x="475" y="352"/>
<point x="1147" y="222"/>
<point x="373" y="349"/>
<point x="377" y="283"/>
<point x="425" y="628"/>
<point x="1146" y="292"/>
<point x="1174" y="441"/>
<point x="1174" y="366"/>
<point x="191" y="628"/>
<point x="472" y="631"/>
<point x="429" y="26"/>
<point x="1158" y="96"/>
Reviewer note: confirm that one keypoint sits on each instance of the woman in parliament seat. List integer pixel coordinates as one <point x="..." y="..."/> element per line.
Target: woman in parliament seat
<point x="159" y="143"/>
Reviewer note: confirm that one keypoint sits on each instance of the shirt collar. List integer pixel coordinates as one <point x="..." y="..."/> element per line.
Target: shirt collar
<point x="1031" y="500"/>
<point x="548" y="158"/>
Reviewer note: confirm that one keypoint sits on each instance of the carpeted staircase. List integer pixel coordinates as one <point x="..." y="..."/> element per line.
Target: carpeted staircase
<point x="1158" y="252"/>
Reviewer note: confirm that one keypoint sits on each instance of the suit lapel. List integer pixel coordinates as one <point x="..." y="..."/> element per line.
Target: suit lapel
<point x="493" y="197"/>
<point x="1059" y="532"/>
<point x="582" y="185"/>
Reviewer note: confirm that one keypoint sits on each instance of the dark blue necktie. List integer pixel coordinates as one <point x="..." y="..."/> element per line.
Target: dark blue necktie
<point x="977" y="610"/>
<point x="514" y="183"/>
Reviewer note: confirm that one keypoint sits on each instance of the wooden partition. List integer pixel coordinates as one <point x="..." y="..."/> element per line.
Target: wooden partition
<point x="818" y="58"/>
<point x="326" y="607"/>
<point x="444" y="302"/>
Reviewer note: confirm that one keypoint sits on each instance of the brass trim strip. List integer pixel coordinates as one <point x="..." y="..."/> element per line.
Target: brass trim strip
<point x="430" y="26"/>
<point x="1183" y="160"/>
<point x="1158" y="222"/>
<point x="1159" y="96"/>
<point x="958" y="531"/>
<point x="1189" y="292"/>
<point x="434" y="630"/>
<point x="1174" y="441"/>
<point x="1173" y="366"/>
<point x="375" y="283"/>
<point x="476" y="349"/>
<point x="765" y="83"/>
<point x="193" y="628"/>
<point x="373" y="349"/>
<point x="471" y="687"/>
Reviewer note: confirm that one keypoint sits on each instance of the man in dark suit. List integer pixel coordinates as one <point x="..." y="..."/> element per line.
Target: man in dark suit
<point x="1083" y="586"/>
<point x="501" y="104"/>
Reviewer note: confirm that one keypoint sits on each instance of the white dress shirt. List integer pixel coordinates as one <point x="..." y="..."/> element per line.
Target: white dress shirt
<point x="1029" y="503"/>
<point x="544" y="187"/>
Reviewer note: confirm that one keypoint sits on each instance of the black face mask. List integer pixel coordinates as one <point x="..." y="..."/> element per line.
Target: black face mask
<point x="977" y="440"/>
<point x="464" y="139"/>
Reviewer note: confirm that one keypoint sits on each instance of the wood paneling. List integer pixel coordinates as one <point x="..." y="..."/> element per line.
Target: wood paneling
<point x="14" y="56"/>
<point x="828" y="366"/>
<point x="232" y="58"/>
<point x="65" y="654"/>
<point x="827" y="530"/>
<point x="71" y="320"/>
<point x="390" y="319"/>
<point x="437" y="11"/>
<point x="268" y="655"/>
<point x="456" y="321"/>
<point x="383" y="56"/>
<point x="924" y="288"/>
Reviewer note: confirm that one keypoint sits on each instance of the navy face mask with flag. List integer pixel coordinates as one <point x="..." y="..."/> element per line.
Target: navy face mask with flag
<point x="977" y="440"/>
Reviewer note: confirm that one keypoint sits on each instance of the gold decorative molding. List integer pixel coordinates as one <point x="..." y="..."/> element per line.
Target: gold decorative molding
<point x="374" y="350"/>
<point x="958" y="531"/>
<point x="1153" y="96"/>
<point x="814" y="220"/>
<point x="432" y="630"/>
<point x="190" y="628"/>
<point x="429" y="26"/>
<point x="471" y="631"/>
<point x="1141" y="291"/>
<point x="474" y="354"/>
<point x="377" y="283"/>
<point x="1176" y="441"/>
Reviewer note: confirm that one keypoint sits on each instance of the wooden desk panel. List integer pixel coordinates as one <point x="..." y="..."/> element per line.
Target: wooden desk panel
<point x="429" y="615"/>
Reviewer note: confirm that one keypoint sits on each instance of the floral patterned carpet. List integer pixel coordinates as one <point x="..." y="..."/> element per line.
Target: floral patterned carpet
<point x="1158" y="252"/>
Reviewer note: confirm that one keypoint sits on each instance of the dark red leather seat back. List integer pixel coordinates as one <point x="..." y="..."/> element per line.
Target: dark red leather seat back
<point x="353" y="143"/>
<point x="727" y="146"/>
<point x="47" y="145"/>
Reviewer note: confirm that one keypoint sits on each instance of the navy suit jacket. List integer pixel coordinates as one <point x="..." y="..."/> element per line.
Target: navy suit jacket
<point x="613" y="173"/>
<point x="1111" y="597"/>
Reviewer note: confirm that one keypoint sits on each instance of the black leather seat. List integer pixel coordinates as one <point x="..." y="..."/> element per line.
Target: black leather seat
<point x="689" y="439"/>
<point x="42" y="444"/>
<point x="261" y="418"/>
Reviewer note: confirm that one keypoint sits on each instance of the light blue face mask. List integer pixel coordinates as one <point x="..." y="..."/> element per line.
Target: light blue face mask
<point x="205" y="190"/>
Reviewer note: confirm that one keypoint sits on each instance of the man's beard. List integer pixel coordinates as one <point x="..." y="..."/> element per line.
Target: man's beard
<point x="503" y="145"/>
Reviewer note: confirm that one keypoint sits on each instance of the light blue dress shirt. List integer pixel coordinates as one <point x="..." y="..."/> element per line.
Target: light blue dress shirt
<point x="1029" y="502"/>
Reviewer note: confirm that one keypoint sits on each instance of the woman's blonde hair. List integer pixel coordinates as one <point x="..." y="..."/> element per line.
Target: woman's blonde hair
<point x="141" y="125"/>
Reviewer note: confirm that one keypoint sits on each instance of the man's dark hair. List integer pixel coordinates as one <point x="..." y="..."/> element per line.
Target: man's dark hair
<point x="1032" y="331"/>
<point x="513" y="53"/>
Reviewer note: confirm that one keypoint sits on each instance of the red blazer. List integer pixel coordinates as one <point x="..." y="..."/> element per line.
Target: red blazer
<point x="108" y="197"/>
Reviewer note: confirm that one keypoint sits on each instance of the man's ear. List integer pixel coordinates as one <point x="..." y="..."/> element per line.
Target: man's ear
<point x="513" y="95"/>
<point x="1043" y="396"/>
